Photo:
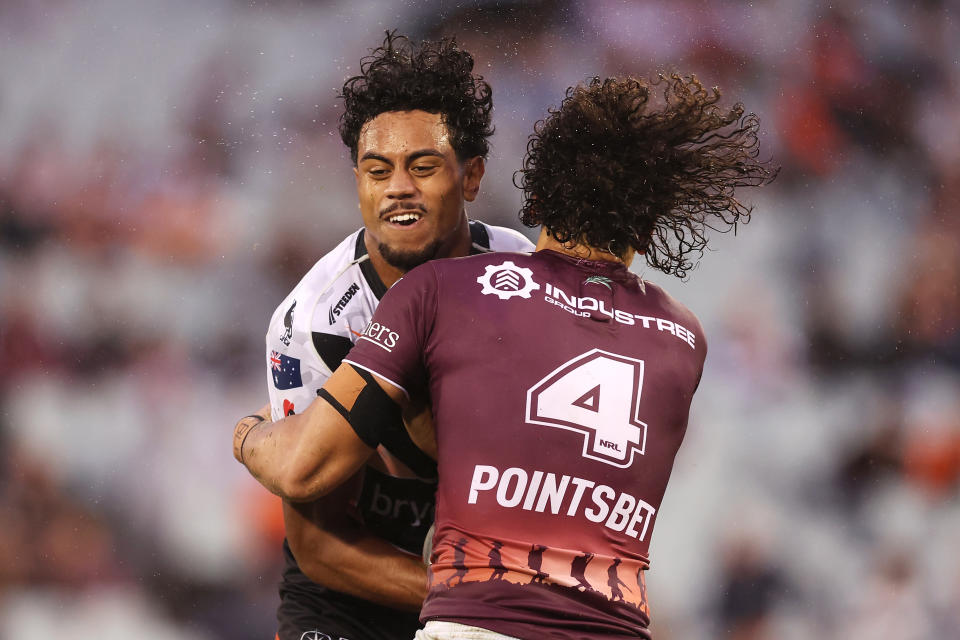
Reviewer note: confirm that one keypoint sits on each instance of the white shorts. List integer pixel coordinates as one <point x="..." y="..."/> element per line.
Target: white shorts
<point x="439" y="630"/>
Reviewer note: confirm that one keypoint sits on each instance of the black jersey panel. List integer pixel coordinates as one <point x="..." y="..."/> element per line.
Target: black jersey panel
<point x="331" y="349"/>
<point x="479" y="235"/>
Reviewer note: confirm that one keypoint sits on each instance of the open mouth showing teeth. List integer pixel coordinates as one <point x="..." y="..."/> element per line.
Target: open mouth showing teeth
<point x="404" y="219"/>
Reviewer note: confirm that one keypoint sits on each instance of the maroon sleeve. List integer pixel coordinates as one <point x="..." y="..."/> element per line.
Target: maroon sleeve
<point x="392" y="345"/>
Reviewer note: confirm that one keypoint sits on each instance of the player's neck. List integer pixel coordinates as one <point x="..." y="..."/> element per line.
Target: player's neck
<point x="579" y="249"/>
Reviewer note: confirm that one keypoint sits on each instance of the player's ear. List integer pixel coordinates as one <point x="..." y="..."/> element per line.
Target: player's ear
<point x="472" y="174"/>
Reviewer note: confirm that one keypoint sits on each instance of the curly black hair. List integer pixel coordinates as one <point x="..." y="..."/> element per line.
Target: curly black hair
<point x="614" y="170"/>
<point x="434" y="76"/>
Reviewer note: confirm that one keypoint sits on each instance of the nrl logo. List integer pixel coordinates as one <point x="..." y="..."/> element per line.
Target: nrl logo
<point x="317" y="635"/>
<point x="605" y="281"/>
<point x="507" y="280"/>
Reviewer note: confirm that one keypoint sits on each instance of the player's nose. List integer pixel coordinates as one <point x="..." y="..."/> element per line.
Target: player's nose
<point x="400" y="185"/>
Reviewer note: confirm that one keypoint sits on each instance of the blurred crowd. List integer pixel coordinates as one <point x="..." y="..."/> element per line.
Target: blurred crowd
<point x="169" y="170"/>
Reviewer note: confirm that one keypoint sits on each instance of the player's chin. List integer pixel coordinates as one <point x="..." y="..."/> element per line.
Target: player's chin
<point x="406" y="255"/>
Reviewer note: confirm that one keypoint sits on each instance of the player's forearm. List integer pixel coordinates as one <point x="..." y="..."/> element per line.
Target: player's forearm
<point x="347" y="558"/>
<point x="301" y="457"/>
<point x="379" y="573"/>
<point x="259" y="445"/>
<point x="269" y="450"/>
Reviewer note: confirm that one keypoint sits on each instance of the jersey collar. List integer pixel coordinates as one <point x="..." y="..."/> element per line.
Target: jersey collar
<point x="366" y="267"/>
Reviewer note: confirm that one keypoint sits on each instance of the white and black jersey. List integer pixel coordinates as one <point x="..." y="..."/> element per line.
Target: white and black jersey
<point x="310" y="333"/>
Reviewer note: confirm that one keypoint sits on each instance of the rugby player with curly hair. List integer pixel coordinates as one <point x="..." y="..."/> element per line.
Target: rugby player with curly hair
<point x="558" y="383"/>
<point x="417" y="122"/>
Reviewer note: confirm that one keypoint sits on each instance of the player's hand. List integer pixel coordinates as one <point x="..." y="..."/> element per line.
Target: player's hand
<point x="244" y="426"/>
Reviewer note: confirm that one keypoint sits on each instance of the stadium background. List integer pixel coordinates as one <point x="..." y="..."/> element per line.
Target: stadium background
<point x="168" y="170"/>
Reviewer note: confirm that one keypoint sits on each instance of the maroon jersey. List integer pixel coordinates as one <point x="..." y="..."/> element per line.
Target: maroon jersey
<point x="560" y="391"/>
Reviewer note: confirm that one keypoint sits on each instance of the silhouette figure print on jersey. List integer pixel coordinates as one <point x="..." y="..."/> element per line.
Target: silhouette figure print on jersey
<point x="496" y="561"/>
<point x="459" y="562"/>
<point x="643" y="589"/>
<point x="614" y="581"/>
<point x="578" y="571"/>
<point x="535" y="562"/>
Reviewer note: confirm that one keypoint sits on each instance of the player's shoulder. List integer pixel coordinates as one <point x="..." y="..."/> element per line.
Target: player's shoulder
<point x="487" y="237"/>
<point x="310" y="331"/>
<point x="322" y="278"/>
<point x="331" y="266"/>
<point x="663" y="299"/>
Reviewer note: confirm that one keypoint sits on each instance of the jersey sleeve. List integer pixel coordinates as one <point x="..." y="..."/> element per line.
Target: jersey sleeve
<point x="290" y="370"/>
<point x="299" y="361"/>
<point x="309" y="334"/>
<point x="392" y="345"/>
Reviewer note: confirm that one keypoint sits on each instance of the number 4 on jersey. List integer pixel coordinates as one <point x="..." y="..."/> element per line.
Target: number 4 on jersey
<point x="596" y="394"/>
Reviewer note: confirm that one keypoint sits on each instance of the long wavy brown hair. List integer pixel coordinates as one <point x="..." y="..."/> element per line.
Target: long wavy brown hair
<point x="620" y="165"/>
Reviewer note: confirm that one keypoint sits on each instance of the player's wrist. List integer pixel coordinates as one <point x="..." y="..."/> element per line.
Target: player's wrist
<point x="240" y="432"/>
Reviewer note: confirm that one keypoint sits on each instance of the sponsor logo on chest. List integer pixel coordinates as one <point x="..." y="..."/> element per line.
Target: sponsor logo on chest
<point x="583" y="305"/>
<point x="399" y="510"/>
<point x="341" y="304"/>
<point x="507" y="280"/>
<point x="407" y="511"/>
<point x="551" y="493"/>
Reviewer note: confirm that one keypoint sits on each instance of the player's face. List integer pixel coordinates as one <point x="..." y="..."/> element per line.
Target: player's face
<point x="412" y="188"/>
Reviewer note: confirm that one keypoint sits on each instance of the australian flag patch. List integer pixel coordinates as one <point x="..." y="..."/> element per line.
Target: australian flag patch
<point x="286" y="371"/>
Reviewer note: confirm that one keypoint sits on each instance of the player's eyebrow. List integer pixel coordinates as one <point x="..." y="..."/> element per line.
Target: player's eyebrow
<point x="416" y="155"/>
<point x="411" y="157"/>
<point x="374" y="156"/>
